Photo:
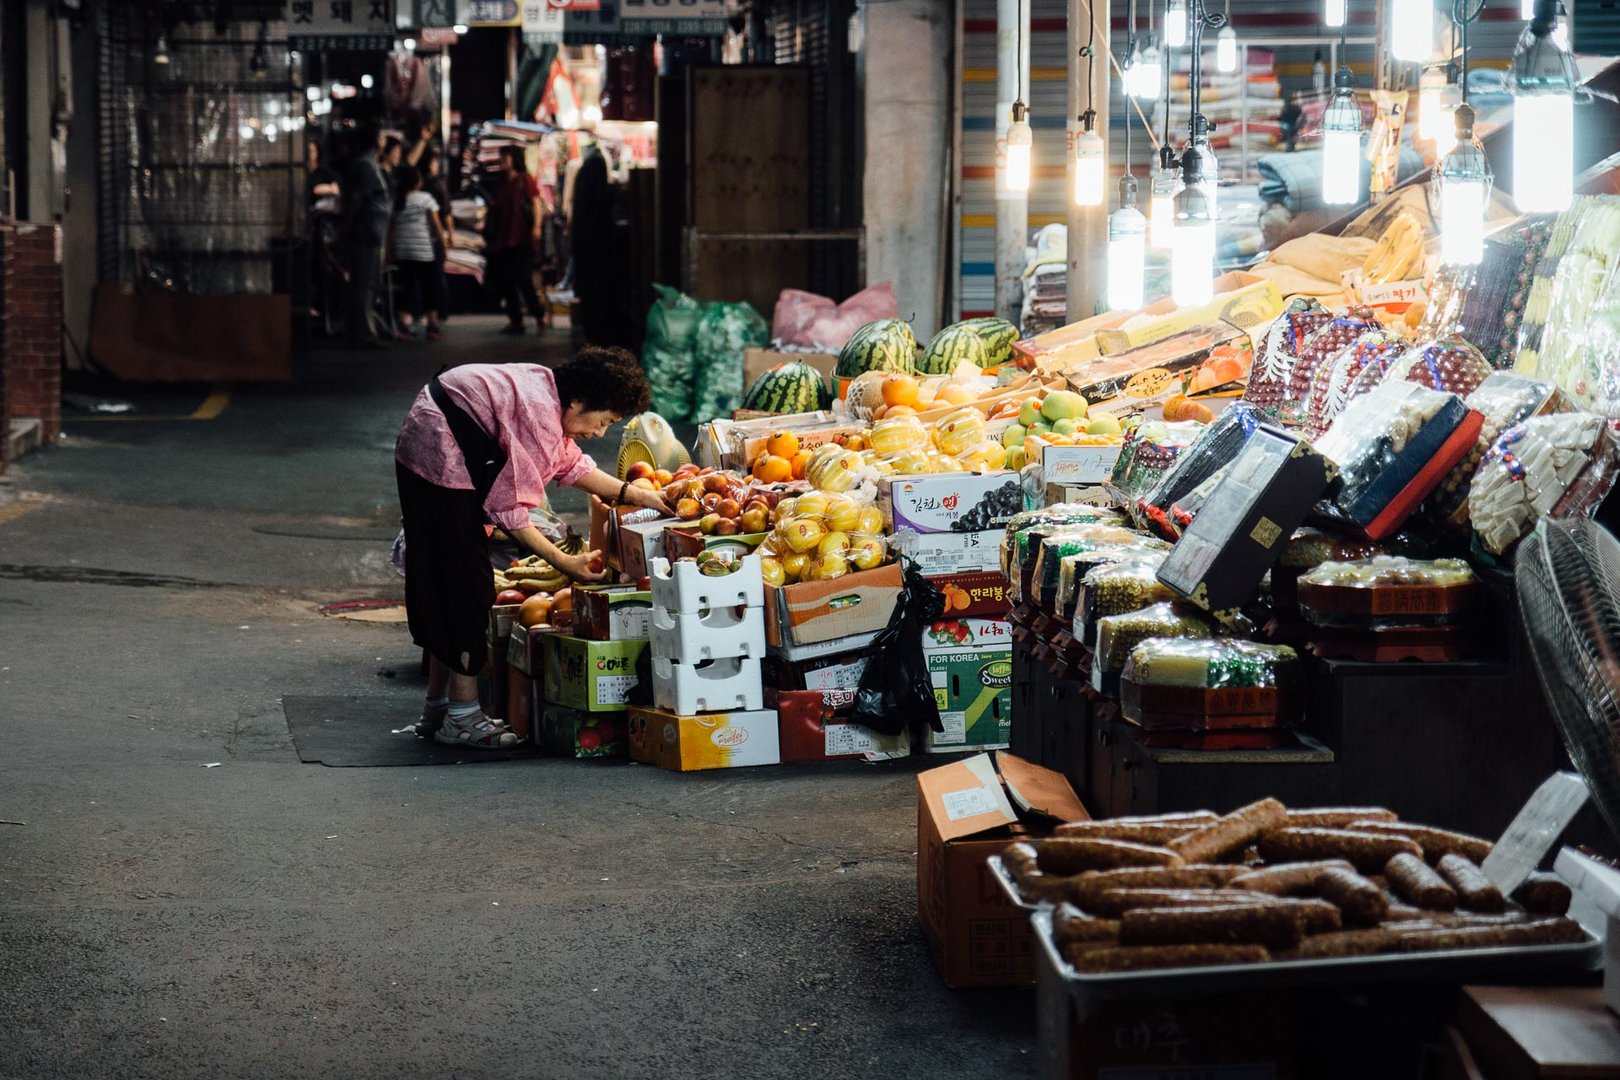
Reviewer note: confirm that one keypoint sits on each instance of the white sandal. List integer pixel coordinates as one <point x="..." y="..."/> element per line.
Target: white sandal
<point x="478" y="731"/>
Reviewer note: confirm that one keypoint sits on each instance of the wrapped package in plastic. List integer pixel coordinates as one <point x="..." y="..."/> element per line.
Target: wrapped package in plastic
<point x="1184" y="511"/>
<point x="1074" y="569"/>
<point x="1046" y="573"/>
<point x="1393" y="447"/>
<point x="1117" y="589"/>
<point x="1485" y="304"/>
<point x="1572" y="325"/>
<point x="1274" y="359"/>
<point x="1502" y="400"/>
<point x="1390" y="591"/>
<point x="669" y="352"/>
<point x="1450" y="364"/>
<point x="1309" y="548"/>
<point x="1148" y="454"/>
<point x="1549" y="466"/>
<point x="724" y="333"/>
<point x="1214" y="447"/>
<point x="1117" y="635"/>
<point x="1338" y="381"/>
<point x="1330" y="339"/>
<point x="1015" y="547"/>
<point x="1220" y="685"/>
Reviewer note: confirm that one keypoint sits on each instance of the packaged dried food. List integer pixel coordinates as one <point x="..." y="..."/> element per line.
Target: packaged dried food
<point x="1548" y="466"/>
<point x="1148" y="454"/>
<point x="1046" y="571"/>
<point x="1213" y="449"/>
<point x="1337" y="381"/>
<point x="1074" y="569"/>
<point x="1485" y="304"/>
<point x="1393" y="447"/>
<point x="1389" y="591"/>
<point x="1571" y="333"/>
<point x="1274" y="360"/>
<point x="1220" y="685"/>
<point x="1117" y="635"/>
<point x="1502" y="400"/>
<point x="1309" y="548"/>
<point x="1014" y="544"/>
<point x="1331" y="338"/>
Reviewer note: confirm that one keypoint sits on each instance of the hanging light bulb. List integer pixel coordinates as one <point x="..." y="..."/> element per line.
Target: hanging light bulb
<point x="1020" y="149"/>
<point x="1192" y="238"/>
<point x="1411" y="30"/>
<point x="1147" y="73"/>
<point x="1544" y="80"/>
<point x="1088" y="164"/>
<point x="1333" y="13"/>
<point x="1527" y="9"/>
<point x="1341" y="143"/>
<point x="1175" y="24"/>
<point x="258" y="63"/>
<point x="160" y="51"/>
<point x="1226" y="50"/>
<point x="1127" y="250"/>
<point x="1434" y="125"/>
<point x="1161" y="207"/>
<point x="1464" y="188"/>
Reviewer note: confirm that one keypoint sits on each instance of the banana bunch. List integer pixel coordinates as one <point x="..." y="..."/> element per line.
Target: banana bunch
<point x="1399" y="253"/>
<point x="532" y="574"/>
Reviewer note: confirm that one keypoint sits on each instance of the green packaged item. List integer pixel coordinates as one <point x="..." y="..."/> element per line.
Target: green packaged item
<point x="669" y="352"/>
<point x="1117" y="635"/>
<point x="724" y="333"/>
<point x="1220" y="685"/>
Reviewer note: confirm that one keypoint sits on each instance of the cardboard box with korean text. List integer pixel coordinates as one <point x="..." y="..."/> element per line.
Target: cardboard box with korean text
<point x="979" y="594"/>
<point x="611" y="612"/>
<point x="815" y="611"/>
<point x="965" y="814"/>
<point x="715" y="740"/>
<point x="591" y="676"/>
<point x="628" y="531"/>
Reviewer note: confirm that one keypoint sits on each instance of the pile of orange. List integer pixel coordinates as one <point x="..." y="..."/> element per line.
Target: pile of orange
<point x="782" y="460"/>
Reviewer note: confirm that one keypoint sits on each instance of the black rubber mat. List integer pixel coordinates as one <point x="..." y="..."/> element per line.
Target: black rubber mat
<point x="365" y="732"/>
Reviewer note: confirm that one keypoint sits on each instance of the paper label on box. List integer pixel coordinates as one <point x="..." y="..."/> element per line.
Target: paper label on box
<point x="955" y="725"/>
<point x="836" y="676"/>
<point x="628" y="622"/>
<point x="970" y="803"/>
<point x="614" y="689"/>
<point x="1078" y="465"/>
<point x="848" y="739"/>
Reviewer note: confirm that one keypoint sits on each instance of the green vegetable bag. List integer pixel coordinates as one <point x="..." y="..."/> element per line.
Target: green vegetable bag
<point x="723" y="333"/>
<point x="669" y="352"/>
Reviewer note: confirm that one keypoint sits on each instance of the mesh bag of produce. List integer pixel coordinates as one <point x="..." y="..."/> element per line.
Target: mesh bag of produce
<point x="1337" y="382"/>
<point x="669" y="351"/>
<point x="1274" y="360"/>
<point x="723" y="334"/>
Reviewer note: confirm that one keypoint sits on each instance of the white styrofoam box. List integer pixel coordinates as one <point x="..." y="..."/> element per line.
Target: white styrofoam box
<point x="683" y="588"/>
<point x="711" y="686"/>
<point x="688" y="638"/>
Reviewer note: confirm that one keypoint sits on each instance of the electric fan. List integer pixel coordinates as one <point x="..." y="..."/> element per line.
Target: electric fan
<point x="649" y="438"/>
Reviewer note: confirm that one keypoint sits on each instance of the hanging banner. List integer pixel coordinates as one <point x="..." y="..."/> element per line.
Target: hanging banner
<point x="492" y="12"/>
<point x="699" y="18"/>
<point x="337" y="25"/>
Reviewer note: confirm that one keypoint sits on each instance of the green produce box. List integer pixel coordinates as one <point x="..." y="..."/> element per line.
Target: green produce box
<point x="592" y="676"/>
<point x="570" y="733"/>
<point x="973" y="688"/>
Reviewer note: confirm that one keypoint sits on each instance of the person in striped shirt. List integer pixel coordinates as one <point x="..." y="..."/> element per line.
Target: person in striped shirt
<point x="418" y="242"/>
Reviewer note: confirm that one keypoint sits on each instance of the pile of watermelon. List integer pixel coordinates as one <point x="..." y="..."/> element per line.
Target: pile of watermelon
<point x="793" y="387"/>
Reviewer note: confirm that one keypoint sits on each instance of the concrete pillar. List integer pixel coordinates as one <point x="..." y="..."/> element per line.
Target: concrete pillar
<point x="1087" y="281"/>
<point x="1012" y="207"/>
<point x="907" y="114"/>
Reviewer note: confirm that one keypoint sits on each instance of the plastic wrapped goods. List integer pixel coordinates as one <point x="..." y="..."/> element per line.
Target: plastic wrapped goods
<point x="1046" y="574"/>
<point x="1274" y="360"/>
<point x="1117" y="635"/>
<point x="669" y="352"/>
<point x="1074" y="569"/>
<point x="1390" y="591"/>
<point x="1119" y="589"/>
<point x="1015" y="546"/>
<point x="1148" y="454"/>
<point x="1571" y="331"/>
<point x="1338" y="381"/>
<point x="1330" y="339"/>
<point x="1393" y="447"/>
<point x="1502" y="400"/>
<point x="1548" y="466"/>
<point x="1214" y="447"/>
<point x="724" y="333"/>
<point x="1450" y="364"/>
<point x="1219" y="685"/>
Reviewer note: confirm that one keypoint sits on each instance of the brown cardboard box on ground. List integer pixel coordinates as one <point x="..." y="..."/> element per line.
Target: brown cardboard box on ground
<point x="965" y="815"/>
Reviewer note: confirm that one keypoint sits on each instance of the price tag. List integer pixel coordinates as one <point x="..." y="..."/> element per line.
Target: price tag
<point x="848" y="739"/>
<point x="1535" y="830"/>
<point x="971" y="803"/>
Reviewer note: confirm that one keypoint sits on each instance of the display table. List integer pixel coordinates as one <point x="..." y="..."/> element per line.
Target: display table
<point x="1516" y="1033"/>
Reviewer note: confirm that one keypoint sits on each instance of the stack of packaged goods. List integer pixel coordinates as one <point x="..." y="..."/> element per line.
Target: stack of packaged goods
<point x="707" y="631"/>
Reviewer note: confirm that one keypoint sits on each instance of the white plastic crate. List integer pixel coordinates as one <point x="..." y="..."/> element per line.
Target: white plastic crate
<point x="722" y="633"/>
<point x="711" y="686"/>
<point x="682" y="588"/>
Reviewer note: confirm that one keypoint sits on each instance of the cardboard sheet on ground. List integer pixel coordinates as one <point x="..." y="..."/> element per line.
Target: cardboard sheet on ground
<point x="344" y="732"/>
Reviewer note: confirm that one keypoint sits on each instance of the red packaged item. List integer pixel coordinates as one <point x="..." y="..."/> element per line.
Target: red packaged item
<point x="1334" y="382"/>
<point x="1333" y="336"/>
<point x="1274" y="361"/>
<point x="1450" y="364"/>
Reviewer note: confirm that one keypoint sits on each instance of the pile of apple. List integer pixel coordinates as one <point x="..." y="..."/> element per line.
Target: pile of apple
<point x="721" y="503"/>
<point x="820" y="536"/>
<point x="1057" y="416"/>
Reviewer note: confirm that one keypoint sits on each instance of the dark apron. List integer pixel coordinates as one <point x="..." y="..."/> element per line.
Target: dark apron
<point x="484" y="457"/>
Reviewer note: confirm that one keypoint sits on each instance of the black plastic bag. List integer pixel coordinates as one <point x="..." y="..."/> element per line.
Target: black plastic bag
<point x="895" y="691"/>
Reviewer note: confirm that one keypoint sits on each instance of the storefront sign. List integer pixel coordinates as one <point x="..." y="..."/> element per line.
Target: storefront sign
<point x="492" y="12"/>
<point x="322" y="25"/>
<point x="543" y="20"/>
<point x="696" y="17"/>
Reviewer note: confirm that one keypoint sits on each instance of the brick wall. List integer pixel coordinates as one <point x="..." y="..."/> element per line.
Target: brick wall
<point x="31" y="326"/>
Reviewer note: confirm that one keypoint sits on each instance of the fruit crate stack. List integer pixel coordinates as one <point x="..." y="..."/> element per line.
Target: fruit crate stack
<point x="707" y="636"/>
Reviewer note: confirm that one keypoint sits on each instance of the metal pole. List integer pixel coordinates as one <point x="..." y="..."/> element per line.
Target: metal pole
<point x="1087" y="281"/>
<point x="1012" y="207"/>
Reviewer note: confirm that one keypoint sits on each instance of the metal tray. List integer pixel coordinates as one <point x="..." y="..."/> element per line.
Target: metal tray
<point x="1456" y="966"/>
<point x="1004" y="878"/>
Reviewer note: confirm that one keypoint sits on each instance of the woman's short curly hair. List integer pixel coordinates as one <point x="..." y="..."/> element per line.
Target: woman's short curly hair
<point x="600" y="378"/>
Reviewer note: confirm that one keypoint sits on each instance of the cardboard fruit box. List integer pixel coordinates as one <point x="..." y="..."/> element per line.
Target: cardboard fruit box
<point x="815" y="611"/>
<point x="591" y="676"/>
<point x="720" y="740"/>
<point x="972" y="683"/>
<point x="968" y="811"/>
<point x="815" y="726"/>
<point x="568" y="732"/>
<point x="688" y="542"/>
<point x="978" y="594"/>
<point x="611" y="612"/>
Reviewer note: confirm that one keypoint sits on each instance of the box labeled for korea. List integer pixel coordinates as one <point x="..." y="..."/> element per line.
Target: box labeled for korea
<point x="952" y="552"/>
<point x="1077" y="466"/>
<point x="949" y="502"/>
<point x="972" y="687"/>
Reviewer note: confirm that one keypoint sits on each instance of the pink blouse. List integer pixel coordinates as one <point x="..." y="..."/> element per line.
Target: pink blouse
<point x="517" y="403"/>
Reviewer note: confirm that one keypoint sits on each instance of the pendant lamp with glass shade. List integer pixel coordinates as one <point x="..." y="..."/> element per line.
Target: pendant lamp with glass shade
<point x="1226" y="50"/>
<point x="1192" y="239"/>
<point x="1333" y="13"/>
<point x="1434" y="123"/>
<point x="1127" y="250"/>
<point x="1463" y="181"/>
<point x="1020" y="138"/>
<point x="1544" y="81"/>
<point x="1161" y="204"/>
<point x="1175" y="24"/>
<point x="1411" y="30"/>
<point x="1089" y="153"/>
<point x="1341" y="143"/>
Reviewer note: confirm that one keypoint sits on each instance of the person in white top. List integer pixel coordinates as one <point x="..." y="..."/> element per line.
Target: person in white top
<point x="418" y="240"/>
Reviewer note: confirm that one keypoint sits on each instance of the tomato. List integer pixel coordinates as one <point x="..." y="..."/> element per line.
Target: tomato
<point x="589" y="739"/>
<point x="510" y="596"/>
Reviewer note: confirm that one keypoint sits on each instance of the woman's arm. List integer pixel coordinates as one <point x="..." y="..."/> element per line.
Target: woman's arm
<point x="576" y="567"/>
<point x="607" y="488"/>
<point x="438" y="230"/>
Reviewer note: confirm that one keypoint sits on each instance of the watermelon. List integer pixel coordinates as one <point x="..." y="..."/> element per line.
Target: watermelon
<point x="998" y="336"/>
<point x="950" y="347"/>
<point x="885" y="345"/>
<point x="793" y="387"/>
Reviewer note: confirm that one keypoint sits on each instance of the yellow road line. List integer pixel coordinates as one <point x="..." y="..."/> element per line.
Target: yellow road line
<point x="25" y="504"/>
<point x="213" y="404"/>
<point x="211" y="407"/>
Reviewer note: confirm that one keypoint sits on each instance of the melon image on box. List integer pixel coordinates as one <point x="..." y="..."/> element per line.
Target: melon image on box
<point x="973" y="689"/>
<point x="591" y="676"/>
<point x="708" y="686"/>
<point x="684" y="588"/>
<point x="683" y="742"/>
<point x="690" y="638"/>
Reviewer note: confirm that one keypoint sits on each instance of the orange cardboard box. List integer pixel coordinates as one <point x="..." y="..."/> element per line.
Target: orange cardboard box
<point x="965" y="814"/>
<point x="816" y="611"/>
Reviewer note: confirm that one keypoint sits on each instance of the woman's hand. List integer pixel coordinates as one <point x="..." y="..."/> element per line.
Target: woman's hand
<point x="585" y="568"/>
<point x="652" y="500"/>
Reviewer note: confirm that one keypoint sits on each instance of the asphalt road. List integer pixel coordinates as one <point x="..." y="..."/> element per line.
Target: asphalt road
<point x="160" y="579"/>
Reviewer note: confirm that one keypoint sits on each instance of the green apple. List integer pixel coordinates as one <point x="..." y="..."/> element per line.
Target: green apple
<point x="1016" y="459"/>
<point x="1029" y="412"/>
<point x="1103" y="425"/>
<point x="1040" y="427"/>
<point x="1065" y="426"/>
<point x="1014" y="436"/>
<point x="1063" y="404"/>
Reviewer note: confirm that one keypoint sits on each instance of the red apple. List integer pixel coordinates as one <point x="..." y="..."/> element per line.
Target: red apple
<point x="711" y="500"/>
<point x="688" y="509"/>
<point x="716" y="483"/>
<point x="510" y="596"/>
<point x="728" y="508"/>
<point x="639" y="469"/>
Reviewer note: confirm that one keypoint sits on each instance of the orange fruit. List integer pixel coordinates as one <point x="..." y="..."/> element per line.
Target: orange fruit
<point x="899" y="389"/>
<point x="536" y="609"/>
<point x="783" y="444"/>
<point x="960" y="601"/>
<point x="562" y="606"/>
<point x="773" y="469"/>
<point x="800" y="462"/>
<point x="901" y="410"/>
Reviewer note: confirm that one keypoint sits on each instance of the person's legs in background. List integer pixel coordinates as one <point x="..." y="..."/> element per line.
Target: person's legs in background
<point x="523" y="271"/>
<point x="503" y="274"/>
<point x="364" y="270"/>
<point x="440" y="308"/>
